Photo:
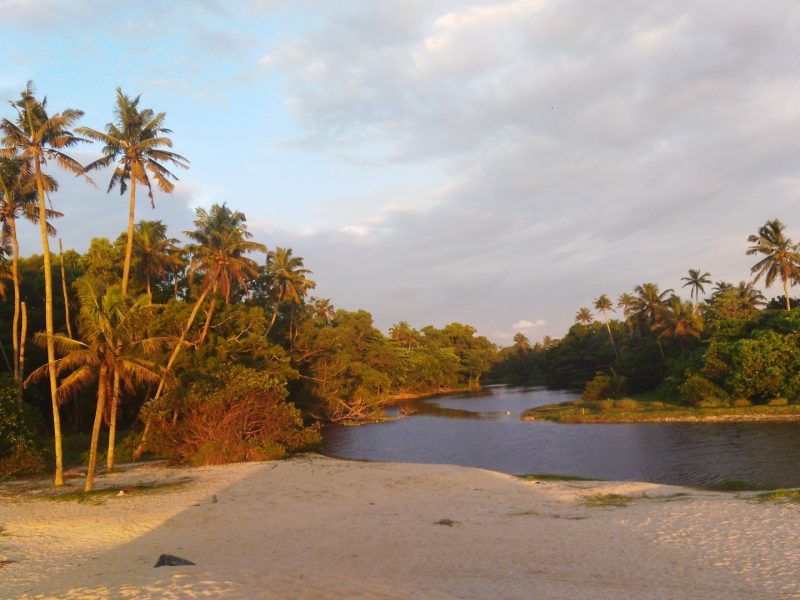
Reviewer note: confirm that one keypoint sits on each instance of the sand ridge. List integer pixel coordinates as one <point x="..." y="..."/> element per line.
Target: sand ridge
<point x="317" y="527"/>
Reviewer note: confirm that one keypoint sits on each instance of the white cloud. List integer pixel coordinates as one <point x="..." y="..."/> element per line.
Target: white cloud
<point x="525" y="324"/>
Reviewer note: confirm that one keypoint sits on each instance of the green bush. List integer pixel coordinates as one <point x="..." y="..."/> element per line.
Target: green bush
<point x="603" y="386"/>
<point x="741" y="402"/>
<point x="778" y="402"/>
<point x="702" y="393"/>
<point x="626" y="404"/>
<point x="606" y="404"/>
<point x="18" y="452"/>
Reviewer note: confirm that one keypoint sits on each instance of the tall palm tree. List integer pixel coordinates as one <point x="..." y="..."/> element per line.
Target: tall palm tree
<point x="324" y="310"/>
<point x="781" y="257"/>
<point x="37" y="137"/>
<point x="720" y="286"/>
<point x="220" y="240"/>
<point x="603" y="304"/>
<point x="696" y="280"/>
<point x="584" y="316"/>
<point x="649" y="300"/>
<point x="627" y="302"/>
<point x="18" y="201"/>
<point x="136" y="144"/>
<point x="111" y="354"/>
<point x="155" y="252"/>
<point x="289" y="277"/>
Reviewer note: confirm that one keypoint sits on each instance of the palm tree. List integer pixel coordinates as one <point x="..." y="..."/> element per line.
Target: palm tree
<point x="603" y="304"/>
<point x="649" y="300"/>
<point x="221" y="240"/>
<point x="324" y="310"/>
<point x="18" y="200"/>
<point x="289" y="277"/>
<point x="584" y="316"/>
<point x="720" y="286"/>
<point x="156" y="253"/>
<point x="781" y="257"/>
<point x="678" y="320"/>
<point x="37" y="137"/>
<point x="627" y="302"/>
<point x="136" y="143"/>
<point x="696" y="280"/>
<point x="110" y="355"/>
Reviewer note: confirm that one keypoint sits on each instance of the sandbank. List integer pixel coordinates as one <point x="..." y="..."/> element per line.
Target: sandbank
<point x="317" y="527"/>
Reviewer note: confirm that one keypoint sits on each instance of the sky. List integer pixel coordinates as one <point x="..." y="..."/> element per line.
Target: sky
<point x="500" y="163"/>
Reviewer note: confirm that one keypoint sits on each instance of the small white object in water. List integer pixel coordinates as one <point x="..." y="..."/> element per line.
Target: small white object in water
<point x="508" y="412"/>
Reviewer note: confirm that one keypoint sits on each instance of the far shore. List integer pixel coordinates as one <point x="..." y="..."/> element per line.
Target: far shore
<point x="317" y="527"/>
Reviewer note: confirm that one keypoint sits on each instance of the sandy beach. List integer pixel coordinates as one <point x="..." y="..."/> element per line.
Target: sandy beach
<point x="316" y="527"/>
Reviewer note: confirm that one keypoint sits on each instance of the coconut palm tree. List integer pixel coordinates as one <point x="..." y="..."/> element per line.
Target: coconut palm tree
<point x="37" y="137"/>
<point x="111" y="355"/>
<point x="289" y="277"/>
<point x="584" y="316"/>
<point x="324" y="310"/>
<point x="18" y="201"/>
<point x="603" y="304"/>
<point x="627" y="302"/>
<point x="781" y="257"/>
<point x="135" y="143"/>
<point x="220" y="240"/>
<point x="649" y="300"/>
<point x="720" y="286"/>
<point x="696" y="280"/>
<point x="678" y="320"/>
<point x="156" y="254"/>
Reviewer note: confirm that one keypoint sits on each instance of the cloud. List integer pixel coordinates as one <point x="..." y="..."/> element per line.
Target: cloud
<point x="524" y="324"/>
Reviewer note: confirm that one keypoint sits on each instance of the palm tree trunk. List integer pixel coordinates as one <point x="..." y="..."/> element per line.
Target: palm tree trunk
<point x="98" y="419"/>
<point x="143" y="442"/>
<point x="48" y="324"/>
<point x="786" y="292"/>
<point x="610" y="336"/>
<point x="15" y="343"/>
<point x="207" y="324"/>
<point x="22" y="336"/>
<point x="275" y="314"/>
<point x="112" y="426"/>
<point x="126" y="269"/>
<point x="64" y="287"/>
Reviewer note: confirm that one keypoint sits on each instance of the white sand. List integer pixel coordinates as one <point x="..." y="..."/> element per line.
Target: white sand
<point x="315" y="527"/>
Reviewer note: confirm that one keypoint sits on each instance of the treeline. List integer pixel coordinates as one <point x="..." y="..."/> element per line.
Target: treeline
<point x="209" y="351"/>
<point x="724" y="346"/>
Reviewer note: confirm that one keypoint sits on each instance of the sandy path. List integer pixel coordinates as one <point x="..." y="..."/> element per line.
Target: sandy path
<point x="315" y="527"/>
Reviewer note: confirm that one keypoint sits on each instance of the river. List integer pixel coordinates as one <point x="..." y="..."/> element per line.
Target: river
<point x="484" y="430"/>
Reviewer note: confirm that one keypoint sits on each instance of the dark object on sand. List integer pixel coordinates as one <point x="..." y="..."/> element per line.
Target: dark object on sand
<point x="167" y="560"/>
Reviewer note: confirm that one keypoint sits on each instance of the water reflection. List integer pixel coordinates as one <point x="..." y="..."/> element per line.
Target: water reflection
<point x="484" y="430"/>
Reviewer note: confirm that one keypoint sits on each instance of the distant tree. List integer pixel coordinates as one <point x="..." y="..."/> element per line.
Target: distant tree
<point x="584" y="316"/>
<point x="696" y="280"/>
<point x="603" y="304"/>
<point x="521" y="342"/>
<point x="627" y="302"/>
<point x="679" y="321"/>
<point x="649" y="300"/>
<point x="135" y="143"/>
<point x="155" y="253"/>
<point x="289" y="278"/>
<point x="404" y="334"/>
<point x="781" y="257"/>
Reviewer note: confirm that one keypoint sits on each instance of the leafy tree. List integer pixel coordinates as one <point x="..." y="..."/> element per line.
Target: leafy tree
<point x="781" y="257"/>
<point x="289" y="277"/>
<point x="37" y="137"/>
<point x="155" y="253"/>
<point x="135" y="143"/>
<point x="679" y="321"/>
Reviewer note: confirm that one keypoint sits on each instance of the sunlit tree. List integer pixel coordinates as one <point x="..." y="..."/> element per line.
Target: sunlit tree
<point x="781" y="256"/>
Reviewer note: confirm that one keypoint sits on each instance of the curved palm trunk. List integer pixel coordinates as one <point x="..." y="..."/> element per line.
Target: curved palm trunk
<point x="48" y="324"/>
<point x="64" y="287"/>
<point x="112" y="426"/>
<point x="126" y="269"/>
<point x="22" y="336"/>
<point x="207" y="324"/>
<point x="98" y="419"/>
<point x="610" y="336"/>
<point x="143" y="442"/>
<point x="15" y="341"/>
<point x="275" y="314"/>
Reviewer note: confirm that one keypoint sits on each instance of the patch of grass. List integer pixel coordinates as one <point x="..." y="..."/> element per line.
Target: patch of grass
<point x="97" y="496"/>
<point x="554" y="477"/>
<point x="786" y="496"/>
<point x="739" y="485"/>
<point x="612" y="500"/>
<point x="446" y="522"/>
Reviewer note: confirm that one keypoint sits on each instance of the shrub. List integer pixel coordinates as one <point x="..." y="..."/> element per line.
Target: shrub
<point x="740" y="402"/>
<point x="699" y="391"/>
<point x="778" y="402"/>
<point x="18" y="452"/>
<point x="626" y="404"/>
<point x="606" y="404"/>
<point x="240" y="414"/>
<point x="656" y="404"/>
<point x="603" y="386"/>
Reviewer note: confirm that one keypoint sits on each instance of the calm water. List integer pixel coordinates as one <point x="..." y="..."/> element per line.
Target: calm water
<point x="484" y="430"/>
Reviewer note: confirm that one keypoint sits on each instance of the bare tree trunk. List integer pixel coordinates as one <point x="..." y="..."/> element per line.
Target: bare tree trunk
<point x="98" y="419"/>
<point x="786" y="292"/>
<point x="126" y="268"/>
<point x="275" y="314"/>
<point x="64" y="288"/>
<point x="207" y="324"/>
<point x="48" y="320"/>
<point x="12" y="225"/>
<point x="112" y="426"/>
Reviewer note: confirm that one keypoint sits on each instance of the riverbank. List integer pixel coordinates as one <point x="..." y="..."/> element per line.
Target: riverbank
<point x="576" y="412"/>
<point x="316" y="527"/>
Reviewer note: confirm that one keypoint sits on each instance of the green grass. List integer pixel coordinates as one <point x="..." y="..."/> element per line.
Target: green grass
<point x="97" y="496"/>
<point x="446" y="522"/>
<point x="785" y="496"/>
<point x="738" y="485"/>
<point x="608" y="500"/>
<point x="554" y="477"/>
